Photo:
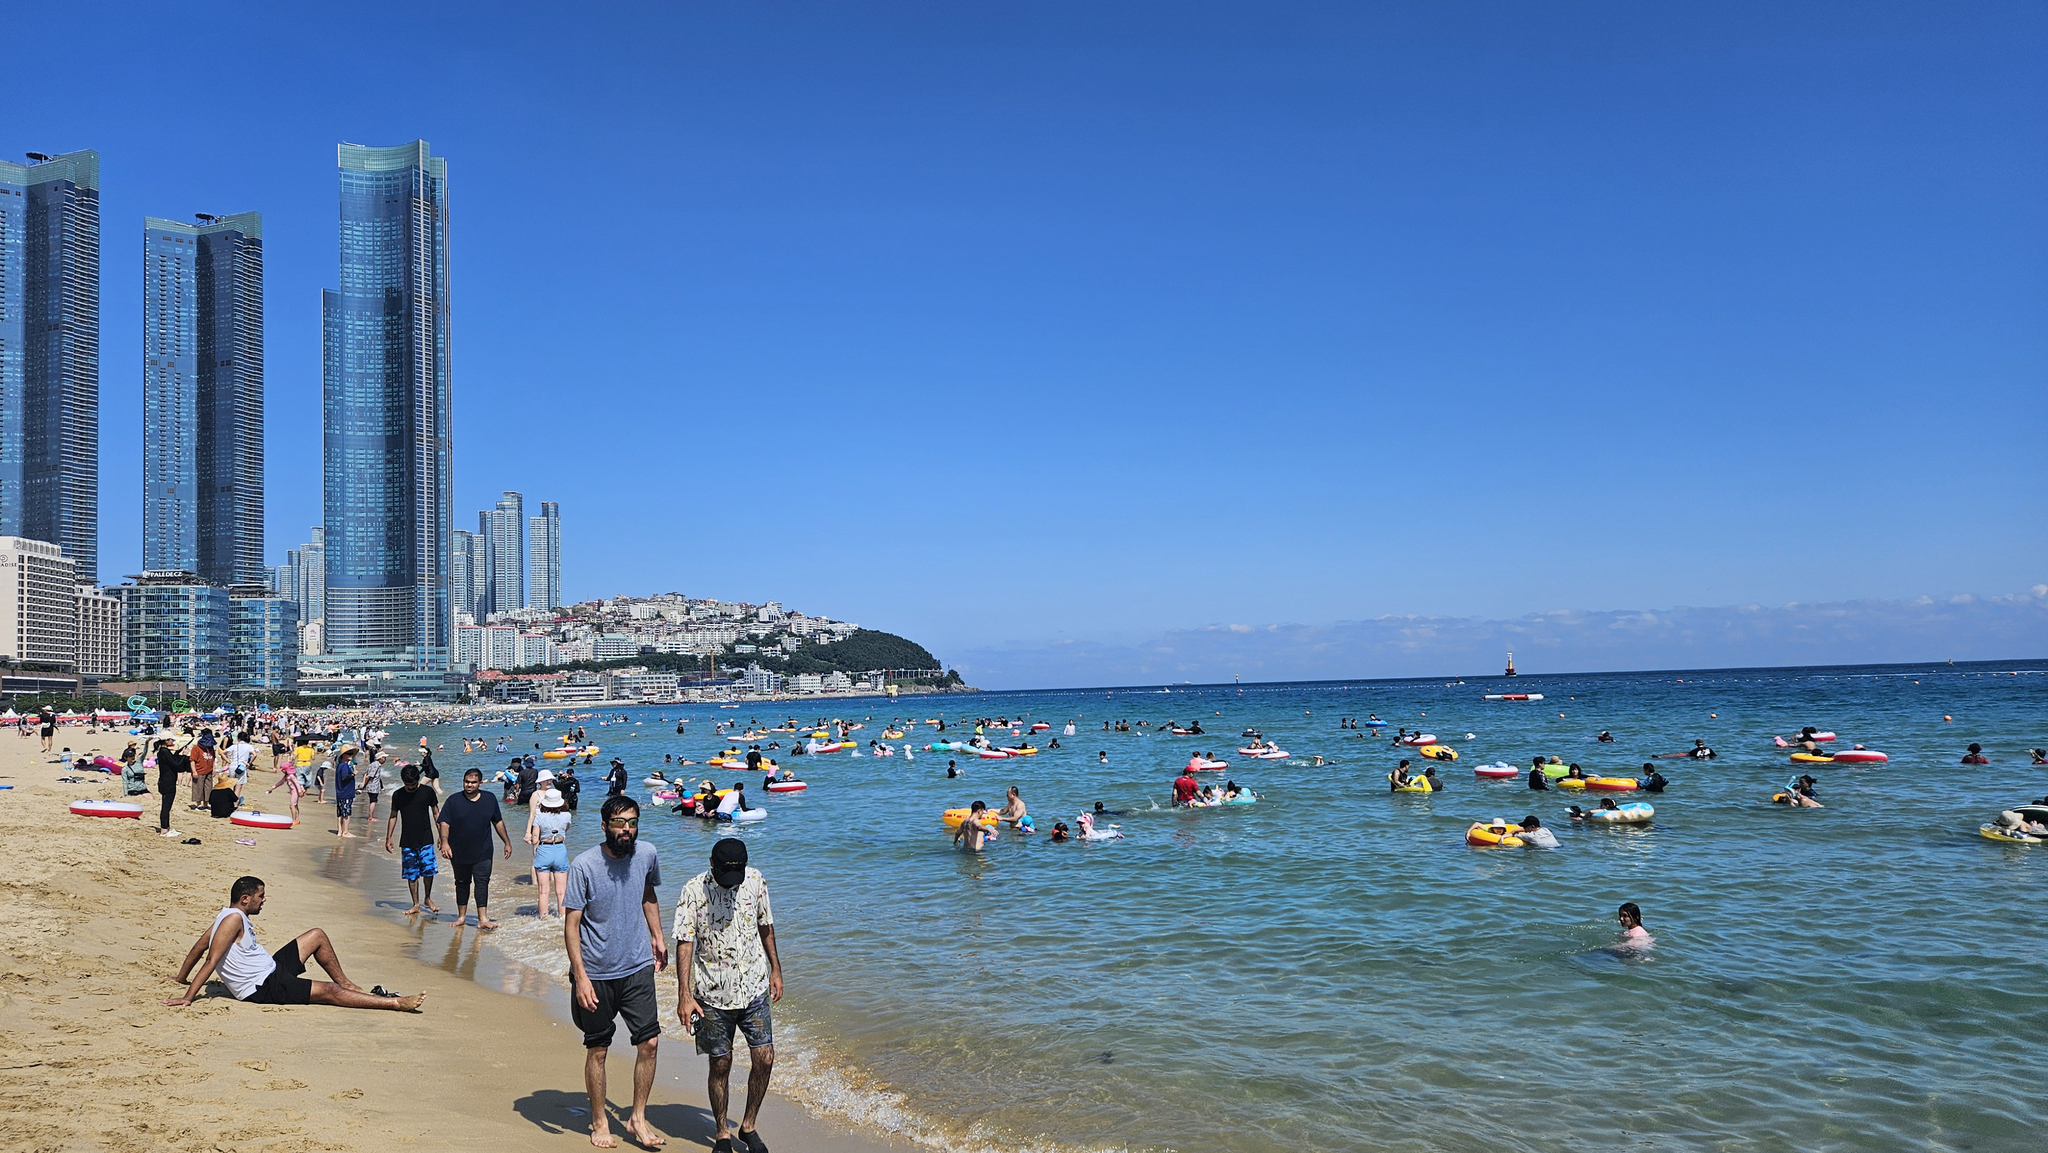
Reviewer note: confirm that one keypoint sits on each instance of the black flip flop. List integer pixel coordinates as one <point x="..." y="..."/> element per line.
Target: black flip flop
<point x="189" y="841"/>
<point x="753" y="1141"/>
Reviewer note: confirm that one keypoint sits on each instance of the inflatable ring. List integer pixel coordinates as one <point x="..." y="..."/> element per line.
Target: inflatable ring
<point x="1414" y="785"/>
<point x="954" y="817"/>
<point x="1482" y="836"/>
<point x="137" y="704"/>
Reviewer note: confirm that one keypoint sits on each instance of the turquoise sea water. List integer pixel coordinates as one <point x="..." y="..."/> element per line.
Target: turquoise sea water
<point x="1334" y="969"/>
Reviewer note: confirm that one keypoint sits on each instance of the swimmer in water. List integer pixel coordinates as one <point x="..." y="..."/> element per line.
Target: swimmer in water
<point x="1101" y="812"/>
<point x="1013" y="808"/>
<point x="1538" y="780"/>
<point x="1059" y="832"/>
<point x="1700" y="751"/>
<point x="1605" y="737"/>
<point x="952" y="770"/>
<point x="1653" y="781"/>
<point x="1102" y="758"/>
<point x="1534" y="835"/>
<point x="1633" y="935"/>
<point x="1400" y="777"/>
<point x="971" y="835"/>
<point x="2040" y="755"/>
<point x="1975" y="755"/>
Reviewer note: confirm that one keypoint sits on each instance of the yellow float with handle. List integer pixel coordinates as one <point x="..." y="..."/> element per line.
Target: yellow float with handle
<point x="1437" y="752"/>
<point x="955" y="817"/>
<point x="1414" y="785"/>
<point x="1497" y="835"/>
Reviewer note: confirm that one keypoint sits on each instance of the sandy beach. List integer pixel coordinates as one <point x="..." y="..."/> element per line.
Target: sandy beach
<point x="99" y="915"/>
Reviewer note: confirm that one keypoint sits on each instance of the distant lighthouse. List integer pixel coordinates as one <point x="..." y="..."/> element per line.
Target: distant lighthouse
<point x="1511" y="664"/>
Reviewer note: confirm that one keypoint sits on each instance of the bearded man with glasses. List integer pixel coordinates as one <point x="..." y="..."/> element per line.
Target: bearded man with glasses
<point x="614" y="937"/>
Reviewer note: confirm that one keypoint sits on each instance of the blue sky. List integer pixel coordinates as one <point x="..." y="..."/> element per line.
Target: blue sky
<point x="1008" y="324"/>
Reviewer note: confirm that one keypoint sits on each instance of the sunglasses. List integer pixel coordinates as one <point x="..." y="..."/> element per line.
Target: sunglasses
<point x="623" y="823"/>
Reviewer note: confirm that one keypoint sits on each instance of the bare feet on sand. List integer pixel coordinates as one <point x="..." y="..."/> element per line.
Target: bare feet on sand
<point x="485" y="925"/>
<point x="410" y="912"/>
<point x="641" y="1132"/>
<point x="432" y="907"/>
<point x="413" y="1004"/>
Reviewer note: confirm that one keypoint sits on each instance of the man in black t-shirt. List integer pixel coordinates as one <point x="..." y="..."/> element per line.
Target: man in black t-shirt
<point x="465" y="824"/>
<point x="415" y="806"/>
<point x="616" y="779"/>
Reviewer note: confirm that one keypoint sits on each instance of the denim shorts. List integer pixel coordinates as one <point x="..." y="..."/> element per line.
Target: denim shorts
<point x="714" y="1029"/>
<point x="416" y="863"/>
<point x="551" y="858"/>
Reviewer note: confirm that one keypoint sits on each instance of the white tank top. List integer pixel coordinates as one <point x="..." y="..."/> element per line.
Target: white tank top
<point x="246" y="966"/>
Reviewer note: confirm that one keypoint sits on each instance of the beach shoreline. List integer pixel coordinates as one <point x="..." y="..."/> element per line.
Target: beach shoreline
<point x="103" y="910"/>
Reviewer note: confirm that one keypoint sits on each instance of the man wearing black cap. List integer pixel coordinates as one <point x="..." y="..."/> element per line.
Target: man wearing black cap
<point x="727" y="975"/>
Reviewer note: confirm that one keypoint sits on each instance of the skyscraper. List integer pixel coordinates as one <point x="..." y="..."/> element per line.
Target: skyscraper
<point x="202" y="397"/>
<point x="546" y="533"/>
<point x="50" y="354"/>
<point x="501" y="535"/>
<point x="463" y="570"/>
<point x="388" y="452"/>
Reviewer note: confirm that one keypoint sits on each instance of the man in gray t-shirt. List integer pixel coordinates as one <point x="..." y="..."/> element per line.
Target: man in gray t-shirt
<point x="614" y="937"/>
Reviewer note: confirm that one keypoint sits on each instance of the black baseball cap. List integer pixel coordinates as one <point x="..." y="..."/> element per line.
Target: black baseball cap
<point x="729" y="862"/>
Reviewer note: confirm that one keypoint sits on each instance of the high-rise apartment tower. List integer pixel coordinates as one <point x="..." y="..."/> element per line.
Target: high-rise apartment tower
<point x="501" y="534"/>
<point x="50" y="354"/>
<point x="545" y="532"/>
<point x="388" y="452"/>
<point x="202" y="397"/>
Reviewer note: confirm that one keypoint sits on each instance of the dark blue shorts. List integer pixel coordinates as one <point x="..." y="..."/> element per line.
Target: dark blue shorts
<point x="416" y="863"/>
<point x="714" y="1029"/>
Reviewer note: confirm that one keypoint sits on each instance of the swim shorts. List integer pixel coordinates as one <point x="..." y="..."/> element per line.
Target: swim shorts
<point x="551" y="858"/>
<point x="631" y="997"/>
<point x="344" y="807"/>
<point x="714" y="1029"/>
<point x="284" y="986"/>
<point x="416" y="863"/>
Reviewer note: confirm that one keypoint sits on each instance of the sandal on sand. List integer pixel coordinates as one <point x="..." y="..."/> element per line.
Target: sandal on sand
<point x="722" y="1145"/>
<point x="189" y="841"/>
<point x="381" y="991"/>
<point x="753" y="1141"/>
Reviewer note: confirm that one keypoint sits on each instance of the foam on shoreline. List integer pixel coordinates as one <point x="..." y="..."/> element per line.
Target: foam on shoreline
<point x="806" y="1071"/>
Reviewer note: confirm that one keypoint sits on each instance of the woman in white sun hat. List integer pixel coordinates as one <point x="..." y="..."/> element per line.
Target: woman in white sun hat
<point x="547" y="830"/>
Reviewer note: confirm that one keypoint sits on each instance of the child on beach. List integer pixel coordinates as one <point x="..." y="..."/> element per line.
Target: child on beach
<point x="288" y="779"/>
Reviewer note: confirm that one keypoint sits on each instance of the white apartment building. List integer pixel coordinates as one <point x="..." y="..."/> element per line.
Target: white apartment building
<point x="38" y="603"/>
<point x="612" y="647"/>
<point x="99" y="633"/>
<point x="628" y="683"/>
<point x="535" y="649"/>
<point x="807" y="683"/>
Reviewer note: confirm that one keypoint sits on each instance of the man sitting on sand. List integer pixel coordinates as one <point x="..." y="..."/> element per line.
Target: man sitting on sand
<point x="261" y="978"/>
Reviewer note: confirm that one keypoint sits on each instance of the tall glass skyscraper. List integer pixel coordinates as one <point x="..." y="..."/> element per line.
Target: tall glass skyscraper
<point x="463" y="569"/>
<point x="501" y="535"/>
<point x="202" y="397"/>
<point x="545" y="532"/>
<point x="388" y="452"/>
<point x="50" y="354"/>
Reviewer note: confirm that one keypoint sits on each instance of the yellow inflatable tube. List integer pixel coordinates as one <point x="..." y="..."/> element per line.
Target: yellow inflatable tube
<point x="1437" y="752"/>
<point x="1483" y="836"/>
<point x="1414" y="785"/>
<point x="954" y="818"/>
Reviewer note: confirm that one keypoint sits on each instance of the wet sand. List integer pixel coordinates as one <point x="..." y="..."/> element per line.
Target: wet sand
<point x="99" y="914"/>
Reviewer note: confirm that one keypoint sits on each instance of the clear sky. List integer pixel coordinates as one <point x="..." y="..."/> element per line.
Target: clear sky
<point x="996" y="323"/>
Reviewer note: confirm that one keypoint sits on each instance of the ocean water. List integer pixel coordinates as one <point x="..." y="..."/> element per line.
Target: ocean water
<point x="1334" y="969"/>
